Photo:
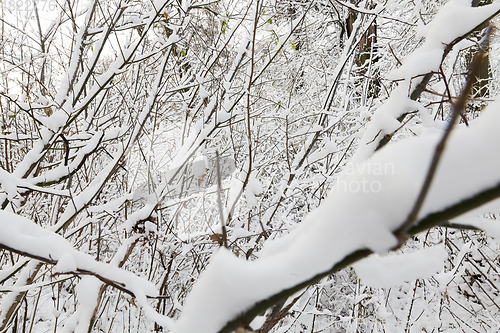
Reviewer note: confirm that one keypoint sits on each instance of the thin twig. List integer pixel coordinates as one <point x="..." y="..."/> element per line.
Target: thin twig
<point x="219" y="201"/>
<point x="448" y="92"/>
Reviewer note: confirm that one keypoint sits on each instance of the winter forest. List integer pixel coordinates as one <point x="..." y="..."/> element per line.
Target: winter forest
<point x="249" y="166"/>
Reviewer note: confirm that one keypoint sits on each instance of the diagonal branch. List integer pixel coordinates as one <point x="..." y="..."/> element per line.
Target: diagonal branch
<point x="458" y="108"/>
<point x="410" y="226"/>
<point x="440" y="218"/>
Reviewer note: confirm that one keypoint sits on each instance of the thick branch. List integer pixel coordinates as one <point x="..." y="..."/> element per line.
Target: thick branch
<point x="435" y="219"/>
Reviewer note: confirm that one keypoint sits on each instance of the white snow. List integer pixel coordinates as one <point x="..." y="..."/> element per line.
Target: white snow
<point x="492" y="227"/>
<point x="257" y="322"/>
<point x="393" y="270"/>
<point x="66" y="263"/>
<point x="253" y="189"/>
<point x="200" y="166"/>
<point x="57" y="120"/>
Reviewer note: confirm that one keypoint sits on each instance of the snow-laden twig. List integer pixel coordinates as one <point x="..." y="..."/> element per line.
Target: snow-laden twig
<point x="22" y="236"/>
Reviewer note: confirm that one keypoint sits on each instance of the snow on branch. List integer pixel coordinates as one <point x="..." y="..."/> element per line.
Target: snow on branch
<point x="24" y="237"/>
<point x="369" y="202"/>
<point x="454" y="22"/>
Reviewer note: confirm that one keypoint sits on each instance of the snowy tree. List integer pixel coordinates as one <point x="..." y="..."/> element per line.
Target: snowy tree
<point x="218" y="166"/>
